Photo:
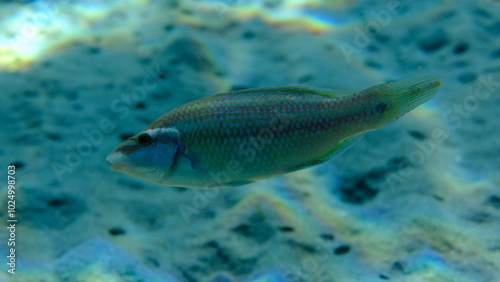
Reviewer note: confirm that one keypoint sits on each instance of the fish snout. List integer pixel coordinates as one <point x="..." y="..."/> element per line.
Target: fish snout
<point x="118" y="161"/>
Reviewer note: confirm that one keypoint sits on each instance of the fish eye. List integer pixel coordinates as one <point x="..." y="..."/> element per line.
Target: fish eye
<point x="144" y="139"/>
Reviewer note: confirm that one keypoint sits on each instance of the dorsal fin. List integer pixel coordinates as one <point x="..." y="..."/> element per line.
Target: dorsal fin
<point x="333" y="94"/>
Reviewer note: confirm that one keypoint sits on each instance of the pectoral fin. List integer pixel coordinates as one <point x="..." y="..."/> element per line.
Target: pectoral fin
<point x="195" y="163"/>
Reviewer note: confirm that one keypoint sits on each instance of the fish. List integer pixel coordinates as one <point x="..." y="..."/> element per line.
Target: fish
<point x="239" y="137"/>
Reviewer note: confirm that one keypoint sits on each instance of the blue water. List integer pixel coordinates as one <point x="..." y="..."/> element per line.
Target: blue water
<point x="417" y="200"/>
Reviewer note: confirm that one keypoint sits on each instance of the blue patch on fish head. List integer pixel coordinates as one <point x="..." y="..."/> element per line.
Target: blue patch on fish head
<point x="148" y="155"/>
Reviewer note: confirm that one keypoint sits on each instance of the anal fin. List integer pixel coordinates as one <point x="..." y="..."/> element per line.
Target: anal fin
<point x="343" y="146"/>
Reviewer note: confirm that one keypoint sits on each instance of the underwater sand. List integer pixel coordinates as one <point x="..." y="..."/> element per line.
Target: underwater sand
<point x="418" y="200"/>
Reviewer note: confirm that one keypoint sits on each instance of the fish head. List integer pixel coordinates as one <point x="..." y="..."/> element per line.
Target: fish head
<point x="390" y="101"/>
<point x="149" y="155"/>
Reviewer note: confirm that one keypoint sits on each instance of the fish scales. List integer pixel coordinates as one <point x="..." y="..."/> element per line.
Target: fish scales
<point x="234" y="138"/>
<point x="252" y="120"/>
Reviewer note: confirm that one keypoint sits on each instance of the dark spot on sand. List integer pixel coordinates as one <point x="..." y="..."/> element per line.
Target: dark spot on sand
<point x="461" y="48"/>
<point x="220" y="258"/>
<point x="117" y="231"/>
<point x="139" y="105"/>
<point x="17" y="164"/>
<point x="373" y="64"/>
<point x="434" y="42"/>
<point x="152" y="261"/>
<point x="302" y="246"/>
<point x="50" y="210"/>
<point x="383" y="276"/>
<point x="397" y="163"/>
<point x="248" y="34"/>
<point x="342" y="250"/>
<point x="495" y="54"/>
<point x="162" y="74"/>
<point x="417" y="135"/>
<point x="493" y="201"/>
<point x="357" y="192"/>
<point x="53" y="136"/>
<point x="255" y="229"/>
<point x="327" y="236"/>
<point x="57" y="202"/>
<point x="30" y="93"/>
<point x="398" y="266"/>
<point x="94" y="50"/>
<point x="286" y="229"/>
<point x="168" y="28"/>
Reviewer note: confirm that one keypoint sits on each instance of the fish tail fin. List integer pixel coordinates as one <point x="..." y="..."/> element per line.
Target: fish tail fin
<point x="405" y="95"/>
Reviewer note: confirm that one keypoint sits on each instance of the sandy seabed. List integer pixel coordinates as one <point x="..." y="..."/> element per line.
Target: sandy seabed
<point x="418" y="200"/>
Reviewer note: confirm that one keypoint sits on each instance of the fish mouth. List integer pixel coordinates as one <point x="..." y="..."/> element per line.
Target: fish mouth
<point x="118" y="167"/>
<point x="116" y="159"/>
<point x="119" y="162"/>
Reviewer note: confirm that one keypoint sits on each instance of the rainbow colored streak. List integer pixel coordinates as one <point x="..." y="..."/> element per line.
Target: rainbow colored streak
<point x="34" y="31"/>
